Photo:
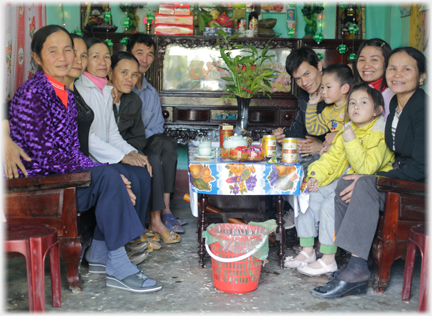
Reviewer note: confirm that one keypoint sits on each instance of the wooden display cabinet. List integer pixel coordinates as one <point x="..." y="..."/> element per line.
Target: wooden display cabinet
<point x="190" y="87"/>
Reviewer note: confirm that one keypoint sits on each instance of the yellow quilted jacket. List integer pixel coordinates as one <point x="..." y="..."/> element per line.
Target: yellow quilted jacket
<point x="367" y="154"/>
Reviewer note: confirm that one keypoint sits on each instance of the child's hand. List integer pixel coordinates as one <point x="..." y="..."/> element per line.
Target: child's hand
<point x="315" y="97"/>
<point x="312" y="185"/>
<point x="348" y="134"/>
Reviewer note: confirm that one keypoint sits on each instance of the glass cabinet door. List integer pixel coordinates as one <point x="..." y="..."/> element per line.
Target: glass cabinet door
<point x="198" y="69"/>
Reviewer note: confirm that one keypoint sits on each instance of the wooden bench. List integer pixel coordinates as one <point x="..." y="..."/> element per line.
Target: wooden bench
<point x="404" y="208"/>
<point x="51" y="200"/>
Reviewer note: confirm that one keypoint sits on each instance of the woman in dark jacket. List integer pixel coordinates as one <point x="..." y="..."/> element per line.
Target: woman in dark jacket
<point x="127" y="112"/>
<point x="357" y="201"/>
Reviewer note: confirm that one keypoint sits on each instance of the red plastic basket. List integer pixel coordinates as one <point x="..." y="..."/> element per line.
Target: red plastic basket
<point x="241" y="276"/>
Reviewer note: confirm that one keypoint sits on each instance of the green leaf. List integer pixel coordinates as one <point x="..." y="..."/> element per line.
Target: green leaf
<point x="253" y="49"/>
<point x="234" y="35"/>
<point x="227" y="78"/>
<point x="238" y="45"/>
<point x="245" y="174"/>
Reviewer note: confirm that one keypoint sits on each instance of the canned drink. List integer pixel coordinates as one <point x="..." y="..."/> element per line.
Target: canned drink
<point x="224" y="134"/>
<point x="269" y="145"/>
<point x="289" y="150"/>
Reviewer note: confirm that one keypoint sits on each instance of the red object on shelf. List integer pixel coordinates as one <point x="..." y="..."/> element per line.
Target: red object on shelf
<point x="419" y="239"/>
<point x="34" y="242"/>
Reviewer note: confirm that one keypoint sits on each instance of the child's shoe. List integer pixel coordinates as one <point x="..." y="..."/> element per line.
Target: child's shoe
<point x="304" y="268"/>
<point x="290" y="262"/>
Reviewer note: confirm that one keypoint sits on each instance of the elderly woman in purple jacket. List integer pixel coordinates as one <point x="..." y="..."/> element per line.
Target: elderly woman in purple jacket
<point x="43" y="123"/>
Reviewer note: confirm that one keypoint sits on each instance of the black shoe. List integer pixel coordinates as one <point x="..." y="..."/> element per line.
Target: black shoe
<point x="337" y="288"/>
<point x="337" y="272"/>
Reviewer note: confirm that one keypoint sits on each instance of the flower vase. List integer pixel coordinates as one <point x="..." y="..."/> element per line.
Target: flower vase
<point x="242" y="116"/>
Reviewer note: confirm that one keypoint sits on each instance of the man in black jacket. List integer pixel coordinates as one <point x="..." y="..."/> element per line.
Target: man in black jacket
<point x="305" y="68"/>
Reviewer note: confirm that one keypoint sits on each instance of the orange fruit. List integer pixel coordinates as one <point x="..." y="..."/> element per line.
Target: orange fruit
<point x="281" y="170"/>
<point x="206" y="172"/>
<point x="195" y="170"/>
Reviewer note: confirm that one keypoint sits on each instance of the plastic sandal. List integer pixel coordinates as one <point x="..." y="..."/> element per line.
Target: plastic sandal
<point x="170" y="221"/>
<point x="132" y="283"/>
<point x="182" y="222"/>
<point x="325" y="269"/>
<point x="166" y="237"/>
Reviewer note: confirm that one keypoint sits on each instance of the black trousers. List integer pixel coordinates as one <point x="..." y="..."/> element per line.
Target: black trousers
<point x="356" y="221"/>
<point x="117" y="221"/>
<point x="166" y="148"/>
<point x="157" y="181"/>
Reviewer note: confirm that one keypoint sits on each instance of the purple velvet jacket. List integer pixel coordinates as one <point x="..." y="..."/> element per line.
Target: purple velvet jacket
<point x="46" y="129"/>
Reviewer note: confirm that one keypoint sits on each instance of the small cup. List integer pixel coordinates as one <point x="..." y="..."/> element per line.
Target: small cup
<point x="249" y="33"/>
<point x="204" y="151"/>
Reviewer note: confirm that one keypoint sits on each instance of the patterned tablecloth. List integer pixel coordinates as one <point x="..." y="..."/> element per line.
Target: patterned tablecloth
<point x="220" y="176"/>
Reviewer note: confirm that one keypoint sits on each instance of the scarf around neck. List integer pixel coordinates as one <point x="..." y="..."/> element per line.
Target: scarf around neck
<point x="377" y="85"/>
<point x="99" y="82"/>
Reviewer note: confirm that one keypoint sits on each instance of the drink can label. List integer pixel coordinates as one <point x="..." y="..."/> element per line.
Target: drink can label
<point x="224" y="134"/>
<point x="269" y="145"/>
<point x="289" y="150"/>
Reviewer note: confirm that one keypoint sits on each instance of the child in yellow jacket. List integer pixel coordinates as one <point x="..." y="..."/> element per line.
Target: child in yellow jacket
<point x="359" y="148"/>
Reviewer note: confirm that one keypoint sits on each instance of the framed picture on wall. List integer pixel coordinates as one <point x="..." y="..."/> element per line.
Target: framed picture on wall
<point x="348" y="14"/>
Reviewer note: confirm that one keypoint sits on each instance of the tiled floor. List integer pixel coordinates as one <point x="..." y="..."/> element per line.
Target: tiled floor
<point x="188" y="288"/>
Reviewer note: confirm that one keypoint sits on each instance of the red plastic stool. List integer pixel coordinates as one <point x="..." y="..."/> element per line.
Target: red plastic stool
<point x="419" y="239"/>
<point x="34" y="241"/>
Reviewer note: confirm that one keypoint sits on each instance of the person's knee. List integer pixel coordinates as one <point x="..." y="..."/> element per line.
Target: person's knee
<point x="154" y="159"/>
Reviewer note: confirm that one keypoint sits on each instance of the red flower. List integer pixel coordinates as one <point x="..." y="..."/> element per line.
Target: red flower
<point x="243" y="68"/>
<point x="248" y="90"/>
<point x="253" y="67"/>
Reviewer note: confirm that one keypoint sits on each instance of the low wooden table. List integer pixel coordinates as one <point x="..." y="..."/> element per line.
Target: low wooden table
<point x="219" y="176"/>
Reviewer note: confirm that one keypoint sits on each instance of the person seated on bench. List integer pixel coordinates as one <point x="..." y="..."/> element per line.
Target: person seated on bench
<point x="140" y="178"/>
<point x="127" y="112"/>
<point x="106" y="144"/>
<point x="357" y="200"/>
<point x="50" y="138"/>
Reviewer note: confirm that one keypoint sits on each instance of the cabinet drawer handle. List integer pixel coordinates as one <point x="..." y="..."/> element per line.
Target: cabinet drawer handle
<point x="165" y="114"/>
<point x="287" y="116"/>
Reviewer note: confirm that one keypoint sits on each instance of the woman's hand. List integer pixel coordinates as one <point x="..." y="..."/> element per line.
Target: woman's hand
<point x="348" y="134"/>
<point x="347" y="192"/>
<point x="11" y="158"/>
<point x="129" y="189"/>
<point x="310" y="146"/>
<point x="278" y="132"/>
<point x="312" y="185"/>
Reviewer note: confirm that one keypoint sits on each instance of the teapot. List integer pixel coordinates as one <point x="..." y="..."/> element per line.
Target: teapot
<point x="235" y="141"/>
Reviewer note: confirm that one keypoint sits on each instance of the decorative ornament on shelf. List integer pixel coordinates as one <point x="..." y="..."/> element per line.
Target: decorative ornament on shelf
<point x="107" y="16"/>
<point x="318" y="37"/>
<point x="352" y="56"/>
<point x="320" y="56"/>
<point x="78" y="32"/>
<point x="109" y="43"/>
<point x="130" y="9"/>
<point x="310" y="14"/>
<point x="124" y="40"/>
<point x="291" y="33"/>
<point x="342" y="49"/>
<point x="249" y="75"/>
<point x="148" y="21"/>
<point x="353" y="28"/>
<point x="126" y="23"/>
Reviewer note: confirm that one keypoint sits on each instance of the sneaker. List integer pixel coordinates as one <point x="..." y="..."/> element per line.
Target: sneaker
<point x="289" y="219"/>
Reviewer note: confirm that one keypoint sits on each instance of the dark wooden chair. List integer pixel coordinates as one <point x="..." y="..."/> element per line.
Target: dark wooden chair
<point x="404" y="208"/>
<point x="51" y="200"/>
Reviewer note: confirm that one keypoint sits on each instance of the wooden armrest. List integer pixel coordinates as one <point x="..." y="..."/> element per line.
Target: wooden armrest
<point x="55" y="181"/>
<point x="401" y="186"/>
